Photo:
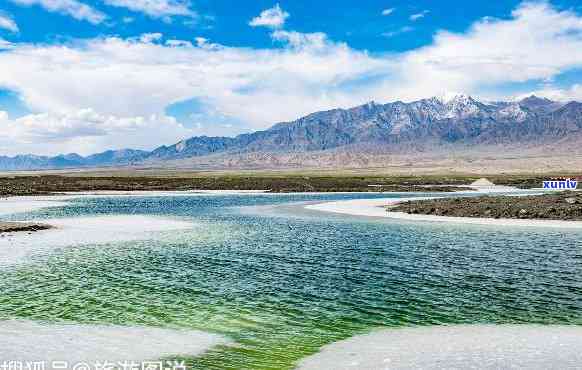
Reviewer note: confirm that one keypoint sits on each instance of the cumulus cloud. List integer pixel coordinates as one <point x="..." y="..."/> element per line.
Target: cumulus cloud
<point x="85" y="131"/>
<point x="129" y="77"/>
<point x="570" y="93"/>
<point x="388" y="11"/>
<point x="73" y="8"/>
<point x="150" y="37"/>
<point x="307" y="72"/>
<point x="156" y="8"/>
<point x="179" y="43"/>
<point x="274" y="17"/>
<point x="204" y="43"/>
<point x="417" y="16"/>
<point x="7" y="23"/>
<point x="537" y="43"/>
<point x="298" y="40"/>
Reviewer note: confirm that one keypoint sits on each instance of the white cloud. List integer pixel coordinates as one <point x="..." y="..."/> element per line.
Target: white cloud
<point x="298" y="40"/>
<point x="156" y="8"/>
<point x="417" y="16"/>
<point x="204" y="43"/>
<point x="399" y="31"/>
<point x="4" y="44"/>
<point x="85" y="132"/>
<point x="537" y="43"/>
<point x="258" y="87"/>
<point x="388" y="11"/>
<point x="147" y="38"/>
<point x="73" y="8"/>
<point x="201" y="41"/>
<point x="179" y="43"/>
<point x="573" y="92"/>
<point x="274" y="17"/>
<point x="7" y="23"/>
<point x="135" y="77"/>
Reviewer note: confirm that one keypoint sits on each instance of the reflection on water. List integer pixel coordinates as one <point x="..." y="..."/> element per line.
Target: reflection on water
<point x="282" y="284"/>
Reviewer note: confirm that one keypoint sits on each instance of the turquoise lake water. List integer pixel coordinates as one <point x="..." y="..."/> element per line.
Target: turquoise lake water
<point x="282" y="282"/>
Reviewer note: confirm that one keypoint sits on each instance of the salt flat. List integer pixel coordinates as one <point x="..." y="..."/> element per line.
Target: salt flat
<point x="28" y="204"/>
<point x="487" y="221"/>
<point x="155" y="193"/>
<point x="28" y="341"/>
<point x="21" y="204"/>
<point x="455" y="347"/>
<point x="375" y="208"/>
<point x="84" y="230"/>
<point x="360" y="207"/>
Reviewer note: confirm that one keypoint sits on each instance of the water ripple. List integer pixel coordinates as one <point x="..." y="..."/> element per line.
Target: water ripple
<point x="282" y="287"/>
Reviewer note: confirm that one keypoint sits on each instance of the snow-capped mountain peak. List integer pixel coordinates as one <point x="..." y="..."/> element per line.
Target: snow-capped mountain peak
<point x="512" y="111"/>
<point x="453" y="118"/>
<point x="448" y="97"/>
<point x="454" y="105"/>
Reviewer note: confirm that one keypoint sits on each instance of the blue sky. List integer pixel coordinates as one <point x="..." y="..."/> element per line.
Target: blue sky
<point x="358" y="23"/>
<point x="89" y="75"/>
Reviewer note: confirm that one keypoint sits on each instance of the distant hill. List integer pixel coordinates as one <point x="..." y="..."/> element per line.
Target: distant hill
<point x="108" y="158"/>
<point x="394" y="127"/>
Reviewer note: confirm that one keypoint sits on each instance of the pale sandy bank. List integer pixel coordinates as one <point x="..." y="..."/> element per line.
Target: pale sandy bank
<point x="360" y="207"/>
<point x="488" y="221"/>
<point x="455" y="347"/>
<point x="21" y="204"/>
<point x="26" y="341"/>
<point x="375" y="208"/>
<point x="85" y="230"/>
<point x="28" y="204"/>
<point x="154" y="193"/>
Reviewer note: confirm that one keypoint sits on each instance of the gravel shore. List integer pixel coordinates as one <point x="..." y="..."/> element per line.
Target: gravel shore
<point x="565" y="206"/>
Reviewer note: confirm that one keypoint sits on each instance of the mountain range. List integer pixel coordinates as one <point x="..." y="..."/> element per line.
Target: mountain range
<point x="395" y="127"/>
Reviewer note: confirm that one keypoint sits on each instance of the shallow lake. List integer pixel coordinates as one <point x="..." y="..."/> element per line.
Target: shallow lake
<point x="281" y="281"/>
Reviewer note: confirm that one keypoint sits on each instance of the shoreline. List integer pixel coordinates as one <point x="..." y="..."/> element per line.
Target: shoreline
<point x="555" y="206"/>
<point x="86" y="230"/>
<point x="23" y="340"/>
<point x="66" y="195"/>
<point x="23" y="204"/>
<point x="275" y="183"/>
<point x="27" y="203"/>
<point x="487" y="221"/>
<point x="467" y="346"/>
<point x="376" y="208"/>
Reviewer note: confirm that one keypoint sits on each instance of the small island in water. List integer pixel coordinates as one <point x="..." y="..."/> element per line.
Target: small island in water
<point x="12" y="227"/>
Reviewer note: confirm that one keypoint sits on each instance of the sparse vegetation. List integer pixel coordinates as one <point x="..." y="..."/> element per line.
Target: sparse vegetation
<point x="43" y="184"/>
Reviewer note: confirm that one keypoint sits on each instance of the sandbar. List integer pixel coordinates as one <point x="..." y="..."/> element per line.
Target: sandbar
<point x="455" y="347"/>
<point x="28" y="341"/>
<point x="85" y="230"/>
<point x="376" y="208"/>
